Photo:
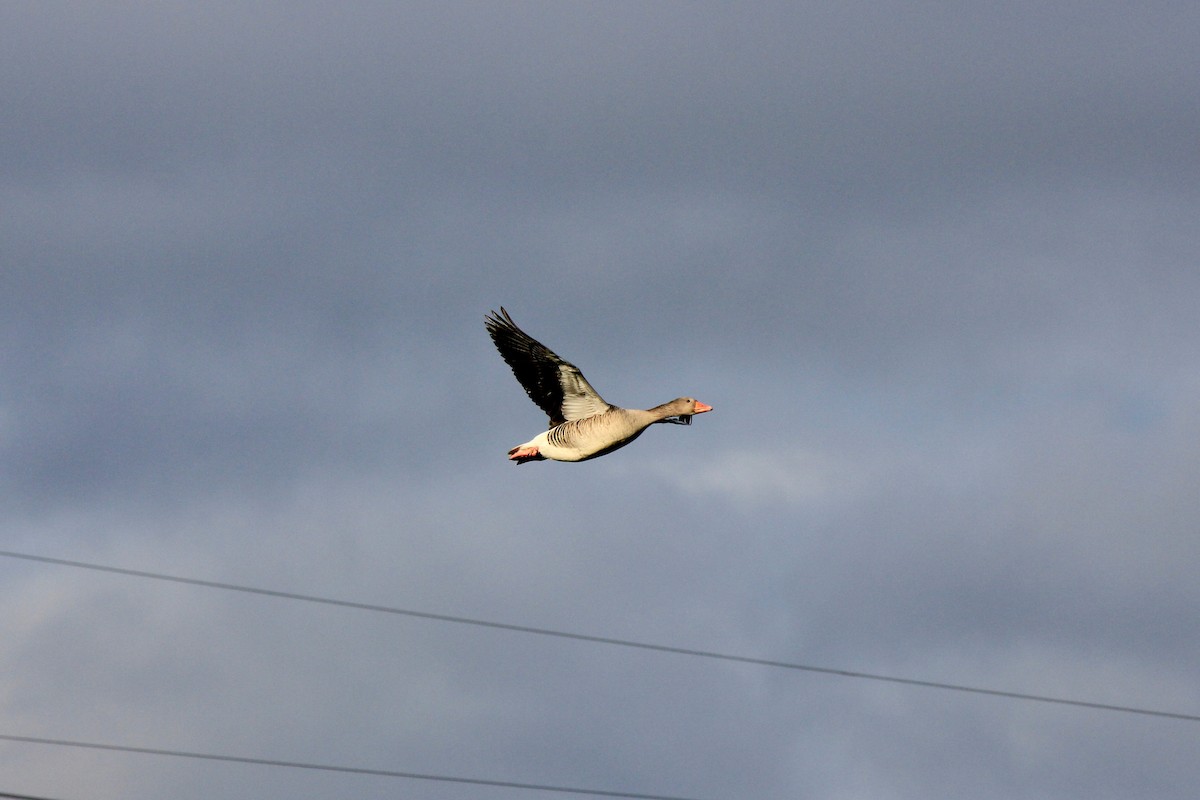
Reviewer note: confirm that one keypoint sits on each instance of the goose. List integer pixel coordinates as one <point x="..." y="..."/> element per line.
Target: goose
<point x="582" y="425"/>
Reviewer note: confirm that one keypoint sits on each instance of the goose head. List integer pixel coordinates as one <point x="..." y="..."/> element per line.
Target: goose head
<point x="681" y="410"/>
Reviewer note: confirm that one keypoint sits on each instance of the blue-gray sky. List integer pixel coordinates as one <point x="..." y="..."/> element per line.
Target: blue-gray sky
<point x="934" y="266"/>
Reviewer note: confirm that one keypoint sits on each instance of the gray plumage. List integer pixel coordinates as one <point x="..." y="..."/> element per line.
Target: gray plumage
<point x="582" y="425"/>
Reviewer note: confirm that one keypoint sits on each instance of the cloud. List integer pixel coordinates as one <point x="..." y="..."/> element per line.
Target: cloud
<point x="749" y="478"/>
<point x="934" y="269"/>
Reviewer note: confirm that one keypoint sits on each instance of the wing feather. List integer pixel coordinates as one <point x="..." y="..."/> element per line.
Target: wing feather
<point x="553" y="383"/>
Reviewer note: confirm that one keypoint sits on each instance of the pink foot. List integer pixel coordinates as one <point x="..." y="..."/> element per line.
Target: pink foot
<point x="523" y="454"/>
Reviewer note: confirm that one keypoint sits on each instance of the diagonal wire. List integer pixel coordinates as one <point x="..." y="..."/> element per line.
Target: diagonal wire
<point x="582" y="637"/>
<point x="384" y="773"/>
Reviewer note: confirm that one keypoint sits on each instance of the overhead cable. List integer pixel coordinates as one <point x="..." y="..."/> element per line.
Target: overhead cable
<point x="661" y="648"/>
<point x="382" y="773"/>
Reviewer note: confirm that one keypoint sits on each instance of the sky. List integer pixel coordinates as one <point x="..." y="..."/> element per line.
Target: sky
<point x="934" y="266"/>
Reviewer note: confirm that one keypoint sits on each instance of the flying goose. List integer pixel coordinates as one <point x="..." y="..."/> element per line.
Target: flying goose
<point x="582" y="425"/>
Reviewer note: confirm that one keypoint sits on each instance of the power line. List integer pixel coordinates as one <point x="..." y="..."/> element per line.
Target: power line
<point x="382" y="773"/>
<point x="581" y="637"/>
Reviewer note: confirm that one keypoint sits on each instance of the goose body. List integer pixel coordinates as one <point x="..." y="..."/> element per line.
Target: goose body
<point x="582" y="425"/>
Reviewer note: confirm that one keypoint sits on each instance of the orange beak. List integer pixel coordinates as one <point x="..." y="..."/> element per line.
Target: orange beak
<point x="701" y="407"/>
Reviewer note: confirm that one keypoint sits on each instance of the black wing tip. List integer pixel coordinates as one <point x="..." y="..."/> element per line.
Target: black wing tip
<point x="505" y="333"/>
<point x="496" y="321"/>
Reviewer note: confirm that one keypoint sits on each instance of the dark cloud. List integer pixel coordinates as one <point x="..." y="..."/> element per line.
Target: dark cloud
<point x="934" y="268"/>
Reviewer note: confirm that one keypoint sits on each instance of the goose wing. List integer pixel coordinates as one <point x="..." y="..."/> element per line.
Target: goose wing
<point x="553" y="383"/>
